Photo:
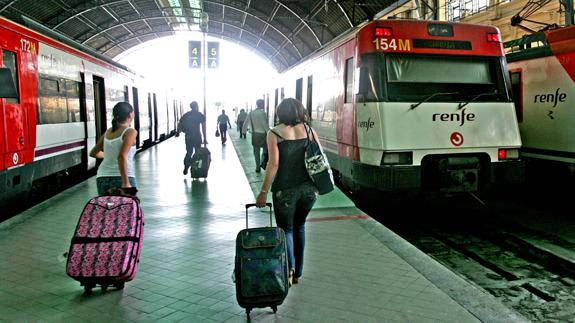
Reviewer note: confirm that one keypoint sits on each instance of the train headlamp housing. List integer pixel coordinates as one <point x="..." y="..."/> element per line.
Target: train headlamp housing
<point x="397" y="158"/>
<point x="493" y="38"/>
<point x="383" y="32"/>
<point x="506" y="154"/>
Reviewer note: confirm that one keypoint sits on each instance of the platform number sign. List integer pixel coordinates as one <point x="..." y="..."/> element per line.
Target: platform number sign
<point x="195" y="57"/>
<point x="213" y="54"/>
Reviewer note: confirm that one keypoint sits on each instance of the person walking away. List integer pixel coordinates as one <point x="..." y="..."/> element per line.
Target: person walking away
<point x="293" y="192"/>
<point x="223" y="122"/>
<point x="240" y="123"/>
<point x="257" y="121"/>
<point x="117" y="148"/>
<point x="190" y="125"/>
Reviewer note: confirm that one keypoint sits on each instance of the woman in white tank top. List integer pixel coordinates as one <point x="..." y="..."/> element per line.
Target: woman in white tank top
<point x="117" y="148"/>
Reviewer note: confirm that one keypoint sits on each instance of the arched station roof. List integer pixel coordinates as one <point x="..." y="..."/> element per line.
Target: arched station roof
<point x="283" y="31"/>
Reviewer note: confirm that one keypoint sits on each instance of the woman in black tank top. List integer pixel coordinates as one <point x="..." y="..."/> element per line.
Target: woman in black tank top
<point x="293" y="192"/>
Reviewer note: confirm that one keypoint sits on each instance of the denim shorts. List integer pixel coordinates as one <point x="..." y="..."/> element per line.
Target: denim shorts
<point x="107" y="182"/>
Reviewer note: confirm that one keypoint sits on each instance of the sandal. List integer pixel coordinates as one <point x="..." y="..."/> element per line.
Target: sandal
<point x="290" y="277"/>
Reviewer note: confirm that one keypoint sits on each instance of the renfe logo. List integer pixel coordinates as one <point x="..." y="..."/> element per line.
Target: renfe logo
<point x="366" y="124"/>
<point x="544" y="98"/>
<point x="455" y="116"/>
<point x="456" y="139"/>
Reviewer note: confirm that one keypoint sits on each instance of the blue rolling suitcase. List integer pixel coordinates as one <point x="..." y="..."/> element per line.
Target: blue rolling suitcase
<point x="261" y="266"/>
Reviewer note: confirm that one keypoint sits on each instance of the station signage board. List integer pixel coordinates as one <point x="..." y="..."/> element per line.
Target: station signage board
<point x="213" y="54"/>
<point x="195" y="54"/>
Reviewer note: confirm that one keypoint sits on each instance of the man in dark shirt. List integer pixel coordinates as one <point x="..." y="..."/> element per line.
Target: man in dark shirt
<point x="190" y="125"/>
<point x="223" y="122"/>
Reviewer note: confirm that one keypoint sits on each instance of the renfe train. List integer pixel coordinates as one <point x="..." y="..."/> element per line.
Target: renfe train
<point x="413" y="106"/>
<point x="63" y="103"/>
<point x="542" y="67"/>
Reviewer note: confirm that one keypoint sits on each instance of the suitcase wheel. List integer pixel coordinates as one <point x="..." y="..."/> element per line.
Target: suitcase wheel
<point x="104" y="287"/>
<point x="88" y="289"/>
<point x="119" y="285"/>
<point x="275" y="308"/>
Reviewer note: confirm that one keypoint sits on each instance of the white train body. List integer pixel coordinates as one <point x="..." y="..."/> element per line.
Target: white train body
<point x="408" y="110"/>
<point x="543" y="77"/>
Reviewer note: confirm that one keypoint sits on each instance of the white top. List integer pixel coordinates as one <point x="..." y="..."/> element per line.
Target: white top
<point x="112" y="148"/>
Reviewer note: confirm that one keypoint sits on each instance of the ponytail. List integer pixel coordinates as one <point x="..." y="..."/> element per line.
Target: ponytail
<point x="120" y="113"/>
<point x="114" y="124"/>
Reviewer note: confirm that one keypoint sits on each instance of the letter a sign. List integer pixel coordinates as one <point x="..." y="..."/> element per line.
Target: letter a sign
<point x="195" y="49"/>
<point x="213" y="54"/>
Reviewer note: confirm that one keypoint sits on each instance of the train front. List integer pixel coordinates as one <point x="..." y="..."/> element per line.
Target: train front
<point x="433" y="108"/>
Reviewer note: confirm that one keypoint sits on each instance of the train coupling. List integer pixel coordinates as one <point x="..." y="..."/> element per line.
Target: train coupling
<point x="459" y="174"/>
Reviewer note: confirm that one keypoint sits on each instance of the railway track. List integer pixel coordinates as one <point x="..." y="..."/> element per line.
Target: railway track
<point x="530" y="271"/>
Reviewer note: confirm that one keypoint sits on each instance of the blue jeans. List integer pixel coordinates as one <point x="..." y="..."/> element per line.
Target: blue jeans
<point x="291" y="207"/>
<point x="107" y="182"/>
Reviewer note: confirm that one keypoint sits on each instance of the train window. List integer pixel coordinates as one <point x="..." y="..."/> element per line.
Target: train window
<point x="371" y="78"/>
<point x="9" y="59"/>
<point x="51" y="102"/>
<point x="349" y="80"/>
<point x="73" y="100"/>
<point x="517" y="94"/>
<point x="476" y="78"/>
<point x="437" y="70"/>
<point x="115" y="95"/>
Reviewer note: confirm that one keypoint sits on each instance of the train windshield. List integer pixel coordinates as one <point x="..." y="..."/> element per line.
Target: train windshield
<point x="409" y="78"/>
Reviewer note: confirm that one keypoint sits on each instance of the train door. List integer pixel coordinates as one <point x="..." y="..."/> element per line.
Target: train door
<point x="308" y="101"/>
<point x="84" y="117"/>
<point x="299" y="89"/>
<point x="276" y="102"/>
<point x="155" y="109"/>
<point x="15" y="130"/>
<point x="346" y="116"/>
<point x="100" y="106"/>
<point x="150" y="120"/>
<point x="136" y="115"/>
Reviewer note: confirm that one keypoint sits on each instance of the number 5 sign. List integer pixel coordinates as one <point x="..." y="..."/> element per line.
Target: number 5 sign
<point x="213" y="54"/>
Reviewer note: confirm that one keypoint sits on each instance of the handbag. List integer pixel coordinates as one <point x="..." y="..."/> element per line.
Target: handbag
<point x="259" y="139"/>
<point x="217" y="133"/>
<point x="317" y="165"/>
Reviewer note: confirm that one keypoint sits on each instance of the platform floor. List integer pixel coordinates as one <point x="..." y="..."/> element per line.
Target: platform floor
<point x="356" y="270"/>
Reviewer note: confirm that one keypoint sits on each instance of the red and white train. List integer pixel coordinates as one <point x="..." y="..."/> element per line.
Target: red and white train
<point x="412" y="106"/>
<point x="542" y="67"/>
<point x="64" y="96"/>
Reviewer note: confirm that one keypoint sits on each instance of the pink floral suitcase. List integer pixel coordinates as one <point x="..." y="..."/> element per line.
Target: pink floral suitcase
<point x="105" y="249"/>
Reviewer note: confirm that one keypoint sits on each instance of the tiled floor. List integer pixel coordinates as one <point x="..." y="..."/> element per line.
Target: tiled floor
<point x="356" y="270"/>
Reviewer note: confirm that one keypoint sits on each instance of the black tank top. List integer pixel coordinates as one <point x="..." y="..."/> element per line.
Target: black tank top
<point x="291" y="170"/>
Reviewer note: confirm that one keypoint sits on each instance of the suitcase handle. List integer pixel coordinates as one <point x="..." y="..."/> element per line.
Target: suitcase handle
<point x="249" y="205"/>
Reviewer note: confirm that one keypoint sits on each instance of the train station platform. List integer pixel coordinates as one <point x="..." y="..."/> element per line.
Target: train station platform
<point x="356" y="270"/>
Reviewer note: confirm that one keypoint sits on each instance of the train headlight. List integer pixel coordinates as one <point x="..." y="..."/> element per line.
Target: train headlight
<point x="504" y="154"/>
<point x="401" y="158"/>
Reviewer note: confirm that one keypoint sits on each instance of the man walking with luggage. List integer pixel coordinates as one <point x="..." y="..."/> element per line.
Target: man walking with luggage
<point x="223" y="122"/>
<point x="257" y="121"/>
<point x="190" y="125"/>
